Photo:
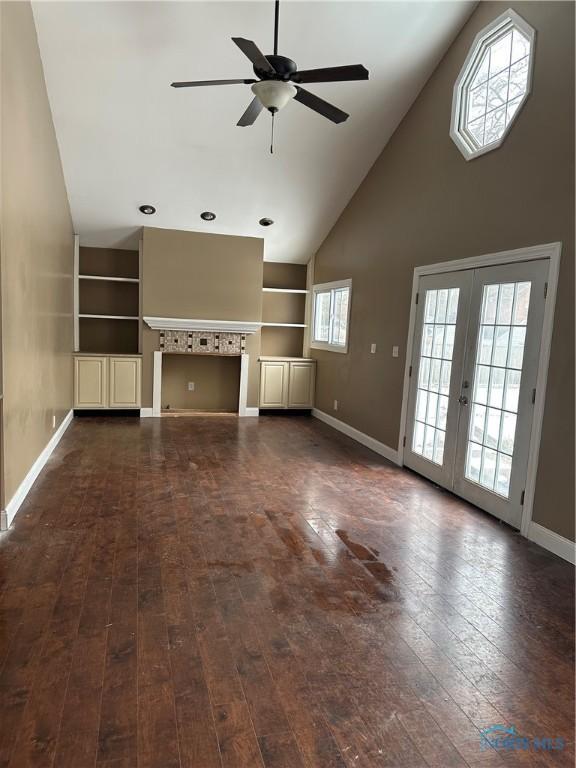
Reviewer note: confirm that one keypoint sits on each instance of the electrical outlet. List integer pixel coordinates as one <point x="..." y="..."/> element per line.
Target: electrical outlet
<point x="53" y="421"/>
<point x="373" y="349"/>
<point x="394" y="351"/>
<point x="335" y="405"/>
<point x="190" y="386"/>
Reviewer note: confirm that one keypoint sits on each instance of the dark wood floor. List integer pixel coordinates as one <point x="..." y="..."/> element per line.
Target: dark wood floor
<point x="211" y="592"/>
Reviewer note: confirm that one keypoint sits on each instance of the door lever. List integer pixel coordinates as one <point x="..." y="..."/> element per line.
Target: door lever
<point x="463" y="400"/>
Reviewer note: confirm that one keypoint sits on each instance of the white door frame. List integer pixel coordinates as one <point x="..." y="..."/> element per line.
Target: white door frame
<point x="550" y="251"/>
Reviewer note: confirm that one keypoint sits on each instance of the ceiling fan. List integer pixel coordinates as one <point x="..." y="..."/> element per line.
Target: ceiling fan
<point x="279" y="81"/>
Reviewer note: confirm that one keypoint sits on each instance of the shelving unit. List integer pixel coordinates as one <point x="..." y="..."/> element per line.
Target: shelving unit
<point x="107" y="301"/>
<point x="283" y="309"/>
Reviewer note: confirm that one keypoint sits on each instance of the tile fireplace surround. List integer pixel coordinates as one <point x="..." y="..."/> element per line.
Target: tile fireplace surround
<point x="202" y="337"/>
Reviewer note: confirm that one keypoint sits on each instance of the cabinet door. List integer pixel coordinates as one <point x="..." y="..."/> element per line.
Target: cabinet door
<point x="301" y="385"/>
<point x="125" y="375"/>
<point x="273" y="385"/>
<point x="90" y="377"/>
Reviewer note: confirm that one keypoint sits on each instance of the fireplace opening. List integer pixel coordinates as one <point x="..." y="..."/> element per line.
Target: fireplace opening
<point x="200" y="383"/>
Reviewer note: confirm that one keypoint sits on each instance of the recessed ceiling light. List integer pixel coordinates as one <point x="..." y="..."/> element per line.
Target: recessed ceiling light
<point x="147" y="209"/>
<point x="208" y="216"/>
<point x="266" y="222"/>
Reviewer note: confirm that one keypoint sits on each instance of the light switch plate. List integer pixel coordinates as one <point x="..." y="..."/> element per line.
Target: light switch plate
<point x="335" y="405"/>
<point x="190" y="386"/>
<point x="373" y="349"/>
<point x="394" y="351"/>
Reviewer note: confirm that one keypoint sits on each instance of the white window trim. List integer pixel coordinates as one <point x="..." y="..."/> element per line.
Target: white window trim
<point x="322" y="288"/>
<point x="482" y="40"/>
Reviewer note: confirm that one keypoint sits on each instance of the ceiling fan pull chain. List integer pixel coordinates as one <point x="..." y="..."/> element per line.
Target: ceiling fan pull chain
<point x="272" y="136"/>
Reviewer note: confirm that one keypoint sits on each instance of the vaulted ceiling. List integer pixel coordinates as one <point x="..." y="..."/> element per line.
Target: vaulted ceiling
<point x="127" y="138"/>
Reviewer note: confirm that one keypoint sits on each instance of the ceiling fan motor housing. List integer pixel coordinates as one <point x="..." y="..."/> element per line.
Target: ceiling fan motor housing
<point x="284" y="68"/>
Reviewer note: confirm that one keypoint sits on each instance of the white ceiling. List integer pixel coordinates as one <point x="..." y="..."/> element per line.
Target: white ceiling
<point x="127" y="138"/>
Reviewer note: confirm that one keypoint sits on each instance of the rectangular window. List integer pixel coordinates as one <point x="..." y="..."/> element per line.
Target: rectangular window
<point x="331" y="315"/>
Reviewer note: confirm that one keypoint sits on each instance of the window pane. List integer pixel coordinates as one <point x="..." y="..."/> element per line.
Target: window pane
<point x="488" y="472"/>
<point x="521" y="302"/>
<point x="477" y="423"/>
<point x="503" y="475"/>
<point x="486" y="343"/>
<point x="499" y="358"/>
<point x="438" y="342"/>
<point x="520" y="46"/>
<point x="500" y="54"/>
<point x="430" y="309"/>
<point x="436" y="348"/>
<point x="432" y="407"/>
<point x="442" y="411"/>
<point x="492" y="434"/>
<point x="322" y="316"/>
<point x="517" y="339"/>
<point x="496" y="387"/>
<point x="427" y="336"/>
<point x="505" y="304"/>
<point x="452" y="311"/>
<point x="439" y="447"/>
<point x="448" y="342"/>
<point x="489" y="304"/>
<point x="501" y="335"/>
<point x="441" y="306"/>
<point x="497" y="86"/>
<point x="434" y="383"/>
<point x="421" y="404"/>
<point x="340" y="297"/>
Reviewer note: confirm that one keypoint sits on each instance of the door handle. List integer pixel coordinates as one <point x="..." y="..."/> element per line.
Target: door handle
<point x="463" y="400"/>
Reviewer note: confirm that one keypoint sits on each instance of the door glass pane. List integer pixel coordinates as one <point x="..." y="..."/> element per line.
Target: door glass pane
<point x="497" y="375"/>
<point x="434" y="369"/>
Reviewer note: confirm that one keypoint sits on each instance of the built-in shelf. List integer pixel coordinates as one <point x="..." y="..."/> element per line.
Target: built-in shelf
<point x="285" y="290"/>
<point x="284" y="325"/>
<point x="111" y="317"/>
<point x="110" y="279"/>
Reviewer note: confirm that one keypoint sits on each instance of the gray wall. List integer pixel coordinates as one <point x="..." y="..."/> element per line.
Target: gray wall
<point x="422" y="202"/>
<point x="37" y="254"/>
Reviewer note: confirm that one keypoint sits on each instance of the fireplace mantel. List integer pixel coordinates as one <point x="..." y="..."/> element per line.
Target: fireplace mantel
<point x="193" y="324"/>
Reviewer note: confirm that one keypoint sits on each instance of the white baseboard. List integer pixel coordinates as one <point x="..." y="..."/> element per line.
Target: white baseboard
<point x="553" y="542"/>
<point x="16" y="501"/>
<point x="146" y="412"/>
<point x="249" y="411"/>
<point x="360" y="437"/>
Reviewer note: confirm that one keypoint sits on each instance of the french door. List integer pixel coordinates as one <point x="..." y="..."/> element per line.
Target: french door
<point x="472" y="382"/>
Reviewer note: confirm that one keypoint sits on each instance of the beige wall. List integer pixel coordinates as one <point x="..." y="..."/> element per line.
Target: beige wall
<point x="422" y="202"/>
<point x="216" y="382"/>
<point x="36" y="247"/>
<point x="199" y="275"/>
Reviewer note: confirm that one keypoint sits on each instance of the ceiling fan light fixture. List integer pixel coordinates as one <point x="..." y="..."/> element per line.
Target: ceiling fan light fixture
<point x="274" y="94"/>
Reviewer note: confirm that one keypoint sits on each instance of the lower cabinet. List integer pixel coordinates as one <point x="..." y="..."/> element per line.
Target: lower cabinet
<point x="124" y="382"/>
<point x="107" y="381"/>
<point x="287" y="383"/>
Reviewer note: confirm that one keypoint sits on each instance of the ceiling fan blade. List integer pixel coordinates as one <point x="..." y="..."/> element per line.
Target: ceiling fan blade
<point x="194" y="83"/>
<point x="252" y="112"/>
<point x="255" y="55"/>
<point x="319" y="105"/>
<point x="331" y="74"/>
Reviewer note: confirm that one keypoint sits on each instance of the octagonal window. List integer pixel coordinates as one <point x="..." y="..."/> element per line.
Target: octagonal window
<point x="493" y="85"/>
